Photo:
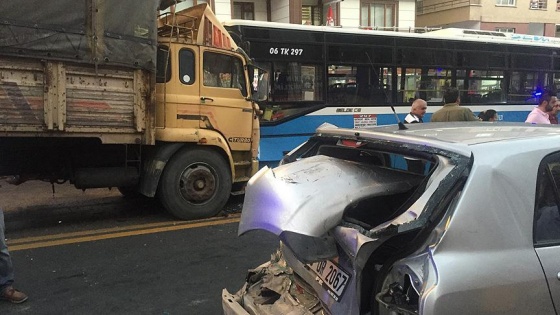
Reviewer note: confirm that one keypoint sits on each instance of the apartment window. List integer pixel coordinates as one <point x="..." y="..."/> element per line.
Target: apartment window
<point x="557" y="34"/>
<point x="189" y="3"/>
<point x="244" y="10"/>
<point x="505" y="2"/>
<point x="378" y="14"/>
<point x="310" y="15"/>
<point x="537" y="4"/>
<point x="557" y="5"/>
<point x="505" y="29"/>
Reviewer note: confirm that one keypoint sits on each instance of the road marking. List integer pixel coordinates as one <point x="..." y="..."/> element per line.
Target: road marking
<point x="103" y="234"/>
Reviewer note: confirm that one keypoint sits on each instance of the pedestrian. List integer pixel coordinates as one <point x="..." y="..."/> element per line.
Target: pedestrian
<point x="417" y="112"/>
<point x="539" y="114"/>
<point x="7" y="291"/>
<point x="553" y="115"/>
<point x="488" y="115"/>
<point x="451" y="111"/>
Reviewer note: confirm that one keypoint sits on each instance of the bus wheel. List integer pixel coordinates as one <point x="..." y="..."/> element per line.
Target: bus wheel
<point x="195" y="184"/>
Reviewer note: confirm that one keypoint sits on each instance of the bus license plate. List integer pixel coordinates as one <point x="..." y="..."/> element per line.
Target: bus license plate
<point x="331" y="277"/>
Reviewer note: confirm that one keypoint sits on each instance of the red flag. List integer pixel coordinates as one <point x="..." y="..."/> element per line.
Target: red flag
<point x="330" y="18"/>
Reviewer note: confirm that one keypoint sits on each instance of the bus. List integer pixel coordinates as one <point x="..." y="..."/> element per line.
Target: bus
<point x="354" y="77"/>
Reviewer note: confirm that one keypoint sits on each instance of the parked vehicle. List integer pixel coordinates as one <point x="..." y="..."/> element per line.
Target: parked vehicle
<point x="475" y="230"/>
<point x="106" y="94"/>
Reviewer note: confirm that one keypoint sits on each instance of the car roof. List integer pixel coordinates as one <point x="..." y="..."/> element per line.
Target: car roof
<point x="455" y="136"/>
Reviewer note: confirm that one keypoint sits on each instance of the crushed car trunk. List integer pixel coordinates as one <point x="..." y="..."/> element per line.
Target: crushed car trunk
<point x="301" y="202"/>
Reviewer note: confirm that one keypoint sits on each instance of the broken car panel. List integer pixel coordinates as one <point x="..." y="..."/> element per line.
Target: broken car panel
<point x="430" y="220"/>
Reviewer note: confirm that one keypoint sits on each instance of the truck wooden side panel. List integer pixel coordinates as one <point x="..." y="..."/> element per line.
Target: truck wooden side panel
<point x="56" y="99"/>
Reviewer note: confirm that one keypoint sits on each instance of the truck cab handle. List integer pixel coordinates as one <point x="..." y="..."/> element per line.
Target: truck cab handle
<point x="204" y="99"/>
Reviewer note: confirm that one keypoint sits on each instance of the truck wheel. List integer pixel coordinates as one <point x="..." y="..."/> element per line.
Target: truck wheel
<point x="195" y="184"/>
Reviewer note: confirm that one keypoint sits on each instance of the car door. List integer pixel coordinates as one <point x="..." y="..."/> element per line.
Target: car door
<point x="546" y="226"/>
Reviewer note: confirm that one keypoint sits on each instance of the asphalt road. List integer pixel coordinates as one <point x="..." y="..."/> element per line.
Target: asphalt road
<point x="98" y="253"/>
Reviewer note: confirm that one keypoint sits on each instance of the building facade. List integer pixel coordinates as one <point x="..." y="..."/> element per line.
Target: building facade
<point x="373" y="14"/>
<point x="535" y="17"/>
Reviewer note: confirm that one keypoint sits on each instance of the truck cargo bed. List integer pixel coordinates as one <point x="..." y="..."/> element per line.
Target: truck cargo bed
<point x="60" y="99"/>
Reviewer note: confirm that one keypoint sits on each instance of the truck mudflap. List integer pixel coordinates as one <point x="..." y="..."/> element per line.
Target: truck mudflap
<point x="153" y="168"/>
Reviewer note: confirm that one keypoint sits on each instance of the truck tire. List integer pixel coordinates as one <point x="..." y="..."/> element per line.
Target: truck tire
<point x="195" y="184"/>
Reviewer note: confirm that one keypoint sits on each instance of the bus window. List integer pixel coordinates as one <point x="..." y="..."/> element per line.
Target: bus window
<point x="294" y="88"/>
<point x="524" y="85"/>
<point x="358" y="85"/>
<point x="481" y="86"/>
<point x="556" y="82"/>
<point x="294" y="81"/>
<point x="425" y="83"/>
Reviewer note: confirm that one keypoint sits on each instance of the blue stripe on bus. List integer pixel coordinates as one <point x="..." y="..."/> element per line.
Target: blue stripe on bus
<point x="280" y="139"/>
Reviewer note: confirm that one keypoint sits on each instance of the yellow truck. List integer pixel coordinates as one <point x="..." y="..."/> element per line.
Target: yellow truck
<point x="118" y="94"/>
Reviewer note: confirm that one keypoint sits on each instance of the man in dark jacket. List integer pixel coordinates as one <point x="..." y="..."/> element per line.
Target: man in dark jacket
<point x="451" y="111"/>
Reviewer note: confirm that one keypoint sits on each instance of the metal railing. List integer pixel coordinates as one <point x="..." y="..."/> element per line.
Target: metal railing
<point x="401" y="29"/>
<point x="446" y="5"/>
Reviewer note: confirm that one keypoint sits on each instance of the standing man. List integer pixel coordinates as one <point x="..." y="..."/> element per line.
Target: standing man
<point x="553" y="115"/>
<point x="417" y="111"/>
<point x="7" y="292"/>
<point x="451" y="111"/>
<point x="539" y="114"/>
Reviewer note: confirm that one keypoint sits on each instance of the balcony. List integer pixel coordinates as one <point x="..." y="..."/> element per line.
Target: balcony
<point x="441" y="6"/>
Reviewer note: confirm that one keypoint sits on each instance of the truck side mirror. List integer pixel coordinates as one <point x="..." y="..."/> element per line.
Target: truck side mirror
<point x="259" y="83"/>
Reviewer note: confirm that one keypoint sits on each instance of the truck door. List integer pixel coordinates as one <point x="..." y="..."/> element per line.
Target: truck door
<point x="187" y="113"/>
<point x="225" y="105"/>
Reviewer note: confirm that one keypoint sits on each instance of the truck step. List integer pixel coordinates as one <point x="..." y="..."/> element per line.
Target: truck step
<point x="241" y="179"/>
<point x="242" y="163"/>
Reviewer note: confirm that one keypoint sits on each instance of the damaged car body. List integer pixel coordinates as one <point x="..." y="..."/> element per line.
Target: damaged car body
<point x="435" y="219"/>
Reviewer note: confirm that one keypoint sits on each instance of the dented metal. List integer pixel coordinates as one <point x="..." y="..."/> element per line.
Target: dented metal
<point x="459" y="242"/>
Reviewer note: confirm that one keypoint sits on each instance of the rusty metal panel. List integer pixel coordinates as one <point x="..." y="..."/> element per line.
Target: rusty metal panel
<point x="55" y="96"/>
<point x="59" y="99"/>
<point x="103" y="99"/>
<point x="21" y="94"/>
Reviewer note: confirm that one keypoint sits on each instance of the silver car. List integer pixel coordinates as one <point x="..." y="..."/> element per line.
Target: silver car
<point x="450" y="218"/>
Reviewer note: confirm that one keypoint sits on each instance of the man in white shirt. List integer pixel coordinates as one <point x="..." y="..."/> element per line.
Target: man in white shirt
<point x="539" y="115"/>
<point x="417" y="111"/>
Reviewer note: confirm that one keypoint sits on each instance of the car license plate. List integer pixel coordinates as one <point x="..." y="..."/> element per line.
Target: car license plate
<point x="331" y="277"/>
